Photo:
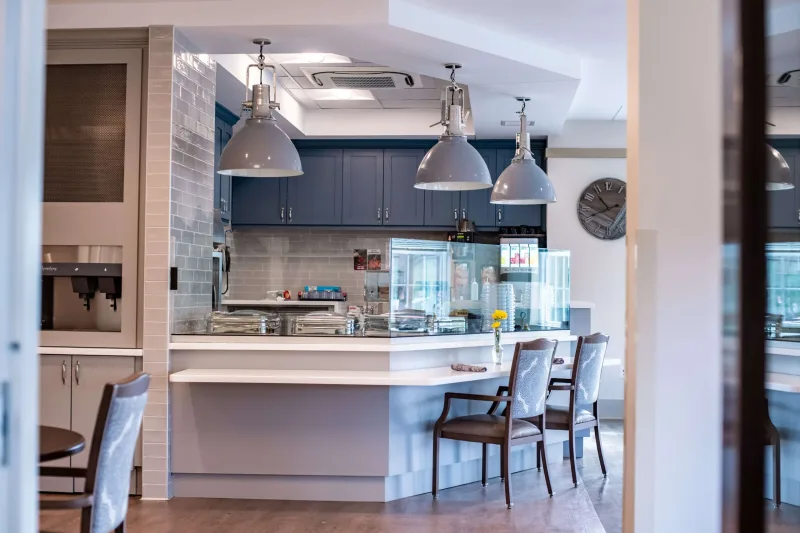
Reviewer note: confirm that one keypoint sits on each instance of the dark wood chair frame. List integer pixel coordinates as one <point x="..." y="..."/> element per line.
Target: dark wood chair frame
<point x="505" y="442"/>
<point x="568" y="384"/>
<point x="133" y="386"/>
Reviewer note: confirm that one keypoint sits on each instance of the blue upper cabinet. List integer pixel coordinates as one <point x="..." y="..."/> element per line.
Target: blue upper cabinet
<point x="784" y="206"/>
<point x="403" y="205"/>
<point x="315" y="197"/>
<point x="362" y="188"/>
<point x="518" y="215"/>
<point x="223" y="132"/>
<point x="476" y="205"/>
<point x="258" y="201"/>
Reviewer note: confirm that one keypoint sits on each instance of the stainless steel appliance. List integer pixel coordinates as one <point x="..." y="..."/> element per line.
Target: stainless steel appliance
<point x="243" y="322"/>
<point x="323" y="323"/>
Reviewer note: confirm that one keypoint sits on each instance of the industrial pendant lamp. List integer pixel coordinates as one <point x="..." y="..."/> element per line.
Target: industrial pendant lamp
<point x="779" y="175"/>
<point x="260" y="149"/>
<point x="453" y="164"/>
<point x="523" y="182"/>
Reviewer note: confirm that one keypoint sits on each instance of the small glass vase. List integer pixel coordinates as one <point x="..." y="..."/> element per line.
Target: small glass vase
<point x="497" y="350"/>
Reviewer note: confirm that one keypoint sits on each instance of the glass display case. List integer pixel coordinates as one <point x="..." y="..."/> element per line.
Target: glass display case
<point x="447" y="288"/>
<point x="783" y="291"/>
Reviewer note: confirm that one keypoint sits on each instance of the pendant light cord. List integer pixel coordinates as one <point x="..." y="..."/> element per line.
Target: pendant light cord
<point x="261" y="64"/>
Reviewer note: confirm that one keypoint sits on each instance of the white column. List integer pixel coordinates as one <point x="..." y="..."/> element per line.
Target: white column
<point x="673" y="448"/>
<point x="22" y="56"/>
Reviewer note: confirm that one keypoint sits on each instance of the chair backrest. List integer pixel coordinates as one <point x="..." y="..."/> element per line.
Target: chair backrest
<point x="530" y="377"/>
<point x="588" y="364"/>
<point x="116" y="431"/>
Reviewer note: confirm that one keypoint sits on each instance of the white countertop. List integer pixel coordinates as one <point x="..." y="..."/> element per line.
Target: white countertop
<point x="426" y="377"/>
<point x="778" y="347"/>
<point x="354" y="344"/>
<point x="71" y="350"/>
<point x="782" y="382"/>
<point x="280" y="303"/>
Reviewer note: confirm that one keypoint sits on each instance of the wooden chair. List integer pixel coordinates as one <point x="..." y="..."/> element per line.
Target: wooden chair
<point x="522" y="423"/>
<point x="104" y="502"/>
<point x="773" y="438"/>
<point x="584" y="388"/>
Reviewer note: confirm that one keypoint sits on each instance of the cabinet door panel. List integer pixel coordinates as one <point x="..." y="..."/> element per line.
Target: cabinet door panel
<point x="315" y="198"/>
<point x="362" y="192"/>
<point x="55" y="379"/>
<point x="476" y="204"/>
<point x="441" y="208"/>
<point x="90" y="375"/>
<point x="258" y="201"/>
<point x="518" y="215"/>
<point x="405" y="204"/>
<point x="783" y="205"/>
<point x="217" y="152"/>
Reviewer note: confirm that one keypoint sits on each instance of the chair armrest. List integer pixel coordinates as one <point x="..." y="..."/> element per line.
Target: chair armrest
<point x="501" y="389"/>
<point x="448" y="396"/>
<point x="78" y="502"/>
<point x="62" y="471"/>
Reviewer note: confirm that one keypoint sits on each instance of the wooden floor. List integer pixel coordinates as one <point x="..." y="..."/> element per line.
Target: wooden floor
<point x="595" y="506"/>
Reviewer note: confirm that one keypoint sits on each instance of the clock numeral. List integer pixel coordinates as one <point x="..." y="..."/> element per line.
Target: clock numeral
<point x="588" y="197"/>
<point x="585" y="209"/>
<point x="597" y="188"/>
<point x="608" y="185"/>
<point x="621" y="188"/>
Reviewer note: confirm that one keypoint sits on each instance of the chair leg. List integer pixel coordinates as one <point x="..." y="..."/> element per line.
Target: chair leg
<point x="600" y="449"/>
<point x="776" y="458"/>
<point x="572" y="454"/>
<point x="483" y="464"/>
<point x="505" y="455"/>
<point x="120" y="528"/>
<point x="542" y="456"/>
<point x="435" y="481"/>
<point x="86" y="520"/>
<point x="502" y="466"/>
<point x="539" y="456"/>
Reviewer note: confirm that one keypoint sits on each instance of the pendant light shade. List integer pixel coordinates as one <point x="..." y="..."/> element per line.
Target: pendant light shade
<point x="453" y="164"/>
<point x="261" y="149"/>
<point x="523" y="182"/>
<point x="779" y="175"/>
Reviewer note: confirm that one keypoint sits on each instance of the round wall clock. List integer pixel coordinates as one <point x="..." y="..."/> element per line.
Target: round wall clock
<point x="601" y="209"/>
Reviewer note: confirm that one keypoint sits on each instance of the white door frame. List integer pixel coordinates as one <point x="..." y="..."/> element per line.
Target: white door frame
<point x="22" y="60"/>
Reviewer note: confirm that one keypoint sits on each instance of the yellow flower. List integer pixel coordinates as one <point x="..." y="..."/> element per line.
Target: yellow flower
<point x="496" y="325"/>
<point x="499" y="315"/>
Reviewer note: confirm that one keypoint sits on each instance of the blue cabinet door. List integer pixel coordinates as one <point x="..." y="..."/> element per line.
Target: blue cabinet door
<point x="315" y="197"/>
<point x="403" y="205"/>
<point x="476" y="205"/>
<point x="784" y="206"/>
<point x="258" y="201"/>
<point x="518" y="215"/>
<point x="362" y="188"/>
<point x="441" y="208"/>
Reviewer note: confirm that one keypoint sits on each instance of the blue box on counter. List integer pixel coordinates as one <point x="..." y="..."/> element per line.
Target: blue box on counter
<point x="320" y="288"/>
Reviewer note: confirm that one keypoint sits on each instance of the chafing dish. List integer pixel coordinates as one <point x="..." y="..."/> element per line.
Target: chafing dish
<point x="243" y="321"/>
<point x="323" y="323"/>
<point x="408" y="321"/>
<point x="449" y="324"/>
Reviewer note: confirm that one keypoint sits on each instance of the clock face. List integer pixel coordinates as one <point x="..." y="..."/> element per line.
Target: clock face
<point x="602" y="208"/>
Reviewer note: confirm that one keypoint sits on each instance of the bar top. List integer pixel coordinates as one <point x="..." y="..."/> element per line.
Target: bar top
<point x="425" y="377"/>
<point x="354" y="344"/>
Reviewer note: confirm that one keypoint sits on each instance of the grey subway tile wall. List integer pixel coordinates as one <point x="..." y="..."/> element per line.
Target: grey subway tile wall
<point x="290" y="258"/>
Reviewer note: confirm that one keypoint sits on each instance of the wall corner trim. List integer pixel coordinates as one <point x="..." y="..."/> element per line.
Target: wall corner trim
<point x="587" y="153"/>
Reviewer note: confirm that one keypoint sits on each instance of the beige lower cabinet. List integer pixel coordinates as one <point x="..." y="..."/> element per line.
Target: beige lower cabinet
<point x="71" y="387"/>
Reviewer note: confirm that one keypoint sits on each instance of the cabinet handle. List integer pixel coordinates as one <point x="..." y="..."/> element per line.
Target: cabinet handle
<point x="464" y="214"/>
<point x="379" y="216"/>
<point x="455" y="214"/>
<point x="78" y="373"/>
<point x="283" y="212"/>
<point x="290" y="214"/>
<point x="386" y="214"/>
<point x="63" y="372"/>
<point x="499" y="214"/>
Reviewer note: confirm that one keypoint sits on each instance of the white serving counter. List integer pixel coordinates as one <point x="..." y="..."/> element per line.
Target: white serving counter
<point x="72" y="350"/>
<point x="342" y="418"/>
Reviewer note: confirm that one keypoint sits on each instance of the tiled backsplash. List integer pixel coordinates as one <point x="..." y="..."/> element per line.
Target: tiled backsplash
<point x="192" y="202"/>
<point x="278" y="258"/>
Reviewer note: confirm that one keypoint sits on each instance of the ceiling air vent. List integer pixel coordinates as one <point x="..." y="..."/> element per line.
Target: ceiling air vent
<point x="326" y="77"/>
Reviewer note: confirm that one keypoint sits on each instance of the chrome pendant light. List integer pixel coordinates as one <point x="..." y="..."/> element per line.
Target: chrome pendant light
<point x="453" y="164"/>
<point x="261" y="149"/>
<point x="779" y="175"/>
<point x="523" y="182"/>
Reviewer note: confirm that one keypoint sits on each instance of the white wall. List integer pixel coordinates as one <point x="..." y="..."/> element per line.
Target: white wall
<point x="597" y="267"/>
